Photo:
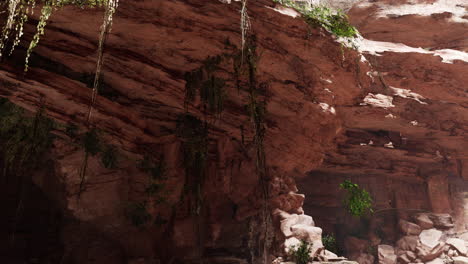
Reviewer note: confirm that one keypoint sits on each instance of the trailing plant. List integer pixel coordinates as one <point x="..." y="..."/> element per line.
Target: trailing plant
<point x="110" y="157"/>
<point x="18" y="12"/>
<point x="301" y="253"/>
<point x="194" y="134"/>
<point x="329" y="242"/>
<point x="209" y="86"/>
<point x="334" y="21"/>
<point x="358" y="201"/>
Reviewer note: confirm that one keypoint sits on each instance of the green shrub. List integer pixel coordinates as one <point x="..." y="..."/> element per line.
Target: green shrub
<point x="334" y="21"/>
<point x="300" y="254"/>
<point x="329" y="242"/>
<point x="358" y="201"/>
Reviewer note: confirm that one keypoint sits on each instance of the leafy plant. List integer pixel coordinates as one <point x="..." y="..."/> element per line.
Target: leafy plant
<point x="300" y="254"/>
<point x="358" y="201"/>
<point x="329" y="242"/>
<point x="334" y="21"/>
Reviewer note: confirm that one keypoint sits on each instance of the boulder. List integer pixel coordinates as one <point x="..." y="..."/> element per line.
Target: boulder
<point x="460" y="260"/>
<point x="424" y="221"/>
<point x="458" y="244"/>
<point x="442" y="221"/>
<point x="409" y="228"/>
<point x="355" y="246"/>
<point x="408" y="243"/>
<point x="430" y="237"/>
<point x="310" y="234"/>
<point x="411" y="255"/>
<point x="403" y="259"/>
<point x="326" y="255"/>
<point x="290" y="243"/>
<point x="427" y="254"/>
<point x="436" y="261"/>
<point x="294" y="219"/>
<point x="365" y="259"/>
<point x="386" y="254"/>
<point x="307" y="233"/>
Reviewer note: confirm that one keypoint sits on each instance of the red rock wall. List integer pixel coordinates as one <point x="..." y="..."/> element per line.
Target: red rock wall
<point x="151" y="47"/>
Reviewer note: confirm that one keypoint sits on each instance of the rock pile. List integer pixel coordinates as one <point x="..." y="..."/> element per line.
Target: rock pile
<point x="295" y="229"/>
<point x="428" y="239"/>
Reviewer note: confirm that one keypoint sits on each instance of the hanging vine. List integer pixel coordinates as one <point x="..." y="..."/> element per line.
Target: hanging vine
<point x="18" y="14"/>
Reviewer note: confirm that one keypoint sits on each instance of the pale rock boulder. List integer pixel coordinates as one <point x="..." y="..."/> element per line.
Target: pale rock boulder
<point x="386" y="254"/>
<point x="307" y="233"/>
<point x="411" y="255"/>
<point x="403" y="258"/>
<point x="427" y="253"/>
<point x="409" y="228"/>
<point x="442" y="221"/>
<point x="310" y="234"/>
<point x="436" y="261"/>
<point x="460" y="260"/>
<point x="458" y="244"/>
<point x="424" y="221"/>
<point x="408" y="243"/>
<point x="430" y="237"/>
<point x="294" y="219"/>
<point x="365" y="259"/>
<point x="290" y="243"/>
<point x="326" y="255"/>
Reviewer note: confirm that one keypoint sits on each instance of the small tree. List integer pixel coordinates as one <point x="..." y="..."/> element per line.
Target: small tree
<point x="358" y="201"/>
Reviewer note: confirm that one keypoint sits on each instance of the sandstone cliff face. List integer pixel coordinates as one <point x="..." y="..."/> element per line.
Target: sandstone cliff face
<point x="151" y="48"/>
<point x="314" y="128"/>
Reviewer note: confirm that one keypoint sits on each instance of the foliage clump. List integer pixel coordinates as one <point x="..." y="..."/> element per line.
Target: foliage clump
<point x="358" y="201"/>
<point x="24" y="139"/>
<point x="329" y="242"/>
<point x="301" y="253"/>
<point x="334" y="21"/>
